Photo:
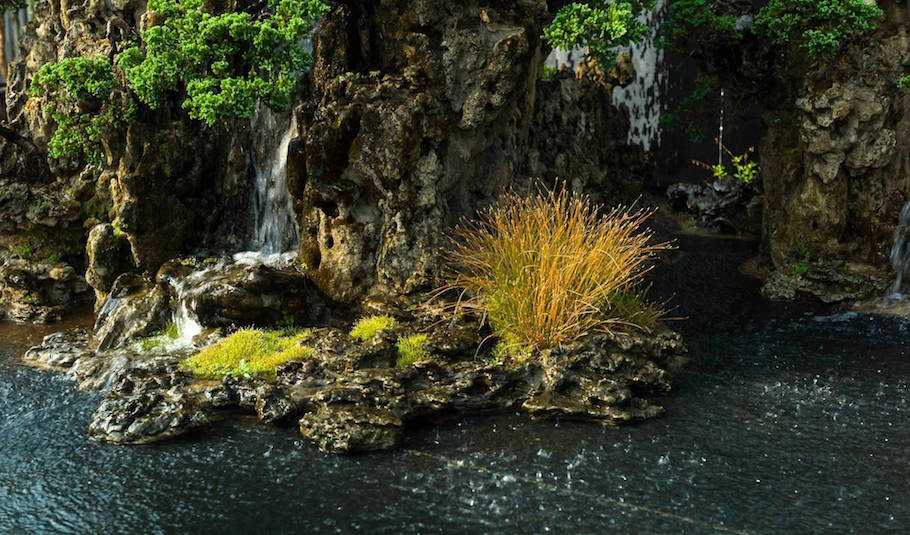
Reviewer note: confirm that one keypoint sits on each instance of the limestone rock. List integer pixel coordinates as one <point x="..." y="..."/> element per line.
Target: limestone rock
<point x="352" y="429"/>
<point x="411" y="131"/>
<point x="727" y="206"/>
<point x="135" y="308"/>
<point x="61" y="350"/>
<point x="109" y="257"/>
<point x="146" y="404"/>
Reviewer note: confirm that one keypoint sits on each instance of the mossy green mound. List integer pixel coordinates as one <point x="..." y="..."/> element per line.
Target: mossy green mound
<point x="369" y="327"/>
<point x="250" y="353"/>
<point x="412" y="349"/>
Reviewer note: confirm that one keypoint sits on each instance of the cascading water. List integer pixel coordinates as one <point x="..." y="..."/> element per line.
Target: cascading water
<point x="900" y="254"/>
<point x="274" y="235"/>
<point x="184" y="320"/>
<point x="642" y="99"/>
<point x="274" y="223"/>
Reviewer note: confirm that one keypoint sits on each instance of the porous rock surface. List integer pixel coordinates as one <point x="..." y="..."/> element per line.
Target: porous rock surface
<point x="423" y="112"/>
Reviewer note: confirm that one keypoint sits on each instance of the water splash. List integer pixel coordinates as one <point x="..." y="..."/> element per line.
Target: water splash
<point x="184" y="319"/>
<point x="274" y="222"/>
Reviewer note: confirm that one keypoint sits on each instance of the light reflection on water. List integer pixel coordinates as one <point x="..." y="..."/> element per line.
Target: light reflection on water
<point x="786" y="420"/>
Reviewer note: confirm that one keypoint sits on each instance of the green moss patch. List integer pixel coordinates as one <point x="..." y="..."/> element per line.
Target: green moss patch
<point x="250" y="353"/>
<point x="412" y="349"/>
<point x="369" y="327"/>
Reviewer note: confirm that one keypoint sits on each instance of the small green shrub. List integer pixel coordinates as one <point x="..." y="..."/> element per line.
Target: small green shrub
<point x="550" y="268"/>
<point x="412" y="349"/>
<point x="78" y="94"/>
<point x="904" y="82"/>
<point x="26" y="252"/>
<point x="598" y="26"/>
<point x="820" y="27"/>
<point x="367" y="328"/>
<point x="221" y="64"/>
<point x="744" y="169"/>
<point x="802" y="267"/>
<point x="695" y="19"/>
<point x="251" y="353"/>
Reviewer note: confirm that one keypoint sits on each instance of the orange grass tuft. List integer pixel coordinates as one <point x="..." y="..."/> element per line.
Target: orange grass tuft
<point x="549" y="268"/>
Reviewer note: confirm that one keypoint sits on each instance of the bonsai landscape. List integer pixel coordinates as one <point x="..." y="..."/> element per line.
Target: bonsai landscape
<point x="356" y="222"/>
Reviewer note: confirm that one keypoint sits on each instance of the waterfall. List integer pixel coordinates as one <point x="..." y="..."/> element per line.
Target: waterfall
<point x="641" y="99"/>
<point x="274" y="222"/>
<point x="900" y="252"/>
<point x="274" y="235"/>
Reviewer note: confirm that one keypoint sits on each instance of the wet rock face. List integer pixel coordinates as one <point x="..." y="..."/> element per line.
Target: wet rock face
<point x="578" y="136"/>
<point x="421" y="111"/>
<point x="135" y="308"/>
<point x="829" y="282"/>
<point x="109" y="257"/>
<point x="61" y="350"/>
<point x="232" y="294"/>
<point x="836" y="165"/>
<point x="148" y="403"/>
<point x="168" y="183"/>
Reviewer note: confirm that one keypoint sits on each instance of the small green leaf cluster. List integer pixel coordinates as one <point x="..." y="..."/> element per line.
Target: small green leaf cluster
<point x="548" y="73"/>
<point x="802" y="267"/>
<point x="696" y="18"/>
<point x="222" y="62"/>
<point x="904" y="82"/>
<point x="818" y="26"/>
<point x="599" y="26"/>
<point x="78" y="95"/>
<point x="744" y="168"/>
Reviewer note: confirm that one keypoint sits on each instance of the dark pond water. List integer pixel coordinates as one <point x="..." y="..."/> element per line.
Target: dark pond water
<point x="788" y="419"/>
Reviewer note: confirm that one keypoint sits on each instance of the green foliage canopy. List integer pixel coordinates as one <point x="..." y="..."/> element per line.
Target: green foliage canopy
<point x="599" y="26"/>
<point x="218" y="64"/>
<point x="819" y="26"/>
<point x="688" y="19"/>
<point x="224" y="63"/>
